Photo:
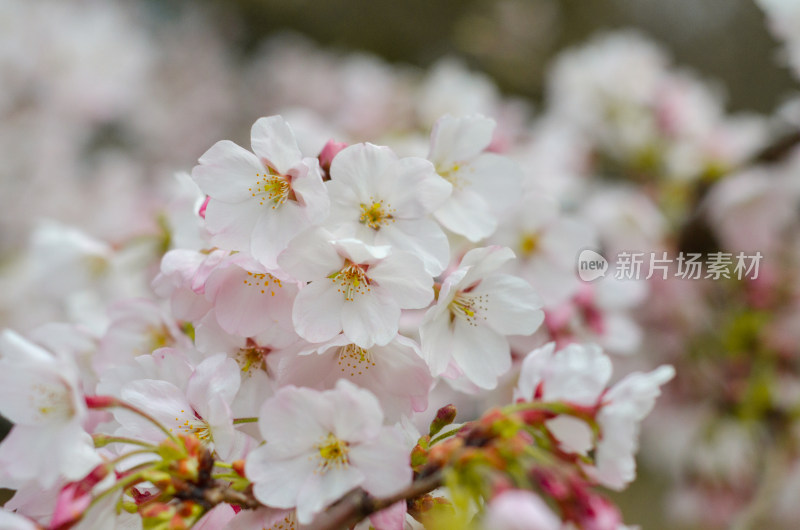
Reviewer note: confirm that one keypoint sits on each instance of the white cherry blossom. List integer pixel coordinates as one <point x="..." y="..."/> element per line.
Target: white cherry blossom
<point x="320" y="445"/>
<point x="260" y="201"/>
<point x="355" y="288"/>
<point x="477" y="307"/>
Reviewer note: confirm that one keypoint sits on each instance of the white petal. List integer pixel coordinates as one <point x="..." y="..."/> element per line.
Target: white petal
<point x="466" y="213"/>
<point x="422" y="237"/>
<point x="227" y="172"/>
<point x="318" y="311"/>
<point x="436" y="336"/>
<point x="403" y="277"/>
<point x="483" y="354"/>
<point x="370" y="318"/>
<point x="218" y="375"/>
<point x="459" y="139"/>
<point x="274" y="230"/>
<point x="278" y="483"/>
<point x="310" y="256"/>
<point x="384" y="462"/>
<point x="272" y="139"/>
<point x="231" y="225"/>
<point x="512" y="307"/>
<point x="357" y="166"/>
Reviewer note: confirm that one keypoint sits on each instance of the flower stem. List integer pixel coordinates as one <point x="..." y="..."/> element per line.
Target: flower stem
<point x="238" y="421"/>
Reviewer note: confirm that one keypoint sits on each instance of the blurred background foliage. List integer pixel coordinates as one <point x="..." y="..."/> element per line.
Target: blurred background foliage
<point x="514" y="40"/>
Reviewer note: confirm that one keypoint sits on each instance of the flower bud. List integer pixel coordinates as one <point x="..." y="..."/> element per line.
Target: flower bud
<point x="444" y="417"/>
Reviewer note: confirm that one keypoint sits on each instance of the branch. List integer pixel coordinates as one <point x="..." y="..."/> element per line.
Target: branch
<point x="358" y="504"/>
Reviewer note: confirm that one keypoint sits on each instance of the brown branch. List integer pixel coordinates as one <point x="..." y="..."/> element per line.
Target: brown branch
<point x="358" y="504"/>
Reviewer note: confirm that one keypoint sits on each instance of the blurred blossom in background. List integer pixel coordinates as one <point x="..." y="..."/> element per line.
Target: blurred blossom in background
<point x="650" y="126"/>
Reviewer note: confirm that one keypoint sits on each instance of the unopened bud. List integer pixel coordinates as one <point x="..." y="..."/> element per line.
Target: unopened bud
<point x="444" y="417"/>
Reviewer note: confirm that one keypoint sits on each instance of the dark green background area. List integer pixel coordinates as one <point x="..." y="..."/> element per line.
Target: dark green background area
<point x="514" y="40"/>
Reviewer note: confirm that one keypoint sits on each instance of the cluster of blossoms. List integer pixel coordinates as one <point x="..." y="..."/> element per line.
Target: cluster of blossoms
<point x="277" y="348"/>
<point x="298" y="310"/>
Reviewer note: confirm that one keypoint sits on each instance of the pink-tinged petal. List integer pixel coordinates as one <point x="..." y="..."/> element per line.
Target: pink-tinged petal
<point x="358" y="165"/>
<point x="357" y="415"/>
<point x="227" y="172"/>
<point x="467" y="213"/>
<point x="13" y="521"/>
<point x="310" y="256"/>
<point x="318" y="311"/>
<point x="483" y="354"/>
<point x="322" y="489"/>
<point x="533" y="370"/>
<point x="384" y="462"/>
<point x="496" y="178"/>
<point x="290" y="421"/>
<point x="217" y="518"/>
<point x="278" y="483"/>
<point x="370" y="318"/>
<point x="522" y="510"/>
<point x="273" y="232"/>
<point x="246" y="303"/>
<point x="272" y="140"/>
<point x="422" y="237"/>
<point x="231" y="225"/>
<point x="391" y="518"/>
<point x="411" y="188"/>
<point x="310" y="191"/>
<point x="269" y="518"/>
<point x="217" y="375"/>
<point x="403" y="277"/>
<point x="512" y="306"/>
<point x="436" y="336"/>
<point x="161" y="399"/>
<point x="459" y="139"/>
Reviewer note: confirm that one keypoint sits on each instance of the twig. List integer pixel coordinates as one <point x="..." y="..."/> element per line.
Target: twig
<point x="358" y="504"/>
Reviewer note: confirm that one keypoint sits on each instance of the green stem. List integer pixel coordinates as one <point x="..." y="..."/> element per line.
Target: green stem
<point x="444" y="435"/>
<point x="101" y="440"/>
<point x="238" y="421"/>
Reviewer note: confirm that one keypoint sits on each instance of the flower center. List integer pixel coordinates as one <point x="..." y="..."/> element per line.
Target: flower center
<point x="252" y="356"/>
<point x="450" y="175"/>
<point x="52" y="401"/>
<point x="354" y="359"/>
<point x="352" y="280"/>
<point x="468" y="306"/>
<point x="333" y="453"/>
<point x="160" y="337"/>
<point x="272" y="187"/>
<point x="377" y="215"/>
<point x="529" y="244"/>
<point x="287" y="523"/>
<point x="264" y="282"/>
<point x="197" y="427"/>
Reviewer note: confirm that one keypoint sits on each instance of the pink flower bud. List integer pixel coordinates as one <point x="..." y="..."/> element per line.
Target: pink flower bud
<point x="328" y="152"/>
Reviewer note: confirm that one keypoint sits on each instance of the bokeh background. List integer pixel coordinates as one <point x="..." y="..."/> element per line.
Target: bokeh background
<point x="100" y="99"/>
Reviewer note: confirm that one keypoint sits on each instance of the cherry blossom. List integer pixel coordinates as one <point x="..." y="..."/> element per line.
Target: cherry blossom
<point x="476" y="308"/>
<point x="322" y="444"/>
<point x="354" y="287"/>
<point x="483" y="183"/>
<point x="385" y="200"/>
<point x="260" y="201"/>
